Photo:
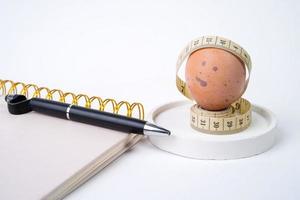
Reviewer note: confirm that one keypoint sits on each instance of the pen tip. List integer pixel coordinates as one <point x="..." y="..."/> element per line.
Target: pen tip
<point x="152" y="129"/>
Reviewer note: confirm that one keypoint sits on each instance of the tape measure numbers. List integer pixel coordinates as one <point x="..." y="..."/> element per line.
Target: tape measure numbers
<point x="232" y="120"/>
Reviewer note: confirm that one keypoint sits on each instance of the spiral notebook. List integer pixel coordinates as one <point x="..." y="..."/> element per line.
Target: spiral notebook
<point x="47" y="158"/>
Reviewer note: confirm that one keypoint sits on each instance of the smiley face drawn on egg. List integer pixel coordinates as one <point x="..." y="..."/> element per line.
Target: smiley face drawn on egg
<point x="216" y="78"/>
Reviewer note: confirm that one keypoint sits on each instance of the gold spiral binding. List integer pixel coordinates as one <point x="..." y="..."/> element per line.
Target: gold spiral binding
<point x="11" y="87"/>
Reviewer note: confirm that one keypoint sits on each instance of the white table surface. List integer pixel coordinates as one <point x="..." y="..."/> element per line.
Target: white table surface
<point x="128" y="50"/>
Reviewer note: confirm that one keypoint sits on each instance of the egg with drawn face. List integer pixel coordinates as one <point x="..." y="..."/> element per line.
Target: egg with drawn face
<point x="215" y="78"/>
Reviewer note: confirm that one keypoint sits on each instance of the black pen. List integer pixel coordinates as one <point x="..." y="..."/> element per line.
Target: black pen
<point x="19" y="104"/>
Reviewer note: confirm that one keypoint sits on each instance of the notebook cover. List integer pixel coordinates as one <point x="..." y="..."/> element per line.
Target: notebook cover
<point x="43" y="157"/>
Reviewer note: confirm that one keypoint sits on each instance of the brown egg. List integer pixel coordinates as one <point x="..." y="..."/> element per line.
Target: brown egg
<point x="215" y="78"/>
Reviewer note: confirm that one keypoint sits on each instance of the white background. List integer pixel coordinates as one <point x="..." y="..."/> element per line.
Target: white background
<point x="128" y="50"/>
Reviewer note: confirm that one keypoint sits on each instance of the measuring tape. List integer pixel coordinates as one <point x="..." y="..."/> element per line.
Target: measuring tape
<point x="232" y="120"/>
<point x="235" y="118"/>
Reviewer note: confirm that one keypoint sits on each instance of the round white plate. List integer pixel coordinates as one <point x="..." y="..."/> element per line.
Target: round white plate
<point x="187" y="142"/>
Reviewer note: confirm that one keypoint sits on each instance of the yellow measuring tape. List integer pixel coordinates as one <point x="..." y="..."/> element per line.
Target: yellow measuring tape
<point x="235" y="118"/>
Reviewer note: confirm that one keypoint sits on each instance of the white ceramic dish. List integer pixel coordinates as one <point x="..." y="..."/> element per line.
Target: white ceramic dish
<point x="187" y="142"/>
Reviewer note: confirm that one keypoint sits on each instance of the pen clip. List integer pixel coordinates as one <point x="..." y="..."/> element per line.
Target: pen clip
<point x="18" y="104"/>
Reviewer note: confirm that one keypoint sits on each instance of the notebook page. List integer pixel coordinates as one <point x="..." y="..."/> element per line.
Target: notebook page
<point x="39" y="152"/>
